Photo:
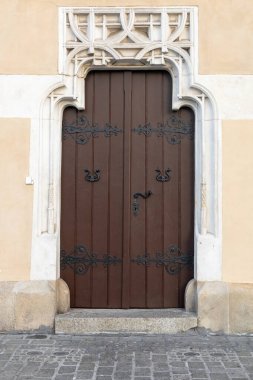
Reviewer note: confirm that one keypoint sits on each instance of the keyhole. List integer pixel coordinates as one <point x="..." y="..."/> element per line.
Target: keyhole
<point x="135" y="207"/>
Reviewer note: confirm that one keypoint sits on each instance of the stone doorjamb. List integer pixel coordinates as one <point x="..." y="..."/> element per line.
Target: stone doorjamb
<point x="126" y="38"/>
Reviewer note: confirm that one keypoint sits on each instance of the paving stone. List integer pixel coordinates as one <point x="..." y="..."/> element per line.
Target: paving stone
<point x="161" y="367"/>
<point x="142" y="372"/>
<point x="48" y="373"/>
<point x="48" y="365"/>
<point x="246" y="360"/>
<point x="106" y="363"/>
<point x="199" y="374"/>
<point x="185" y="356"/>
<point x="67" y="369"/>
<point x="84" y="375"/>
<point x="161" y="375"/>
<point x="159" y="358"/>
<point x="86" y="366"/>
<point x="104" y="371"/>
<point x="196" y="365"/>
<point x="119" y="374"/>
<point x="218" y="376"/>
<point x="234" y="373"/>
<point x="249" y="369"/>
<point x="214" y="365"/>
<point x="142" y="362"/>
<point x="122" y="376"/>
<point x="179" y="370"/>
<point x="178" y="364"/>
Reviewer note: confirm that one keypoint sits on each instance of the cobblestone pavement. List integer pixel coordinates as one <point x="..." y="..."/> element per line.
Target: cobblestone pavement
<point x="192" y="355"/>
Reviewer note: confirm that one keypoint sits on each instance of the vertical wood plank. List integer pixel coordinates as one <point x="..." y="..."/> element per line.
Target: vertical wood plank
<point x="127" y="188"/>
<point x="84" y="200"/>
<point x="138" y="184"/>
<point x="170" y="199"/>
<point x="154" y="212"/>
<point x="115" y="222"/>
<point x="100" y="189"/>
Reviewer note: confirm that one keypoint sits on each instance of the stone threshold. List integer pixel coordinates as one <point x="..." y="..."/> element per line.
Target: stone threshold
<point x="97" y="321"/>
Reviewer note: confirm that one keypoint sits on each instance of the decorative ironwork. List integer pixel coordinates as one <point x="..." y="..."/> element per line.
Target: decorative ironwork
<point x="172" y="129"/>
<point x="136" y="205"/>
<point x="94" y="177"/>
<point x="172" y="260"/>
<point x="163" y="178"/>
<point x="84" y="130"/>
<point x="81" y="260"/>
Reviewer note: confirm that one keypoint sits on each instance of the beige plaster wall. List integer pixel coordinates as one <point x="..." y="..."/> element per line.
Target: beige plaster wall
<point x="15" y="200"/>
<point x="28" y="35"/>
<point x="237" y="201"/>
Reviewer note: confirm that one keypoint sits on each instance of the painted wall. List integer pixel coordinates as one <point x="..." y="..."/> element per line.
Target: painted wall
<point x="237" y="200"/>
<point x="29" y="33"/>
<point x="29" y="45"/>
<point x="15" y="200"/>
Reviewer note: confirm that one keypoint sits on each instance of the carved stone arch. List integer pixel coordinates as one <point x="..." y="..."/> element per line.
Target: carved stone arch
<point x="80" y="53"/>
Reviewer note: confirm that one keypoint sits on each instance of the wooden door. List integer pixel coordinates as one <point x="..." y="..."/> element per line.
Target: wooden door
<point x="127" y="208"/>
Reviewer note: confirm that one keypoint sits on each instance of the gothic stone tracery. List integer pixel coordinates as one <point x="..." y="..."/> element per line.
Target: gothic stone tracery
<point x="115" y="34"/>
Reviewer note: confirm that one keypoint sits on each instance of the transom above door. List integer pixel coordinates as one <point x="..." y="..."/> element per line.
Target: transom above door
<point x="127" y="208"/>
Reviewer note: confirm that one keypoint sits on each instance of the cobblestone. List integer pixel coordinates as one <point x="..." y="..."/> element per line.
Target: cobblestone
<point x="195" y="355"/>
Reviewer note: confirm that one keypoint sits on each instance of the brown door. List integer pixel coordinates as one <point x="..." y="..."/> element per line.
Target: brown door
<point x="127" y="208"/>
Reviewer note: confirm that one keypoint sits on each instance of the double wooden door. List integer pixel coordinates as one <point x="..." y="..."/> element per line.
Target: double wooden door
<point x="127" y="207"/>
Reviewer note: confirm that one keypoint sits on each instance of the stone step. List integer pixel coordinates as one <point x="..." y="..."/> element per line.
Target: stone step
<point x="153" y="321"/>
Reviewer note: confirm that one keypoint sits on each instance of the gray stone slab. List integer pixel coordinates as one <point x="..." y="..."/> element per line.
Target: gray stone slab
<point x="83" y="321"/>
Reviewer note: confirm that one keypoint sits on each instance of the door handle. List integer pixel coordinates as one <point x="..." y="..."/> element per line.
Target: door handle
<point x="144" y="196"/>
<point x="136" y="205"/>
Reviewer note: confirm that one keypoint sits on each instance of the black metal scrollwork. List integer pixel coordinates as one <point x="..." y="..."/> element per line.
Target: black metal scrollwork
<point x="136" y="205"/>
<point x="81" y="260"/>
<point x="92" y="177"/>
<point x="84" y="130"/>
<point x="163" y="178"/>
<point x="172" y="260"/>
<point x="172" y="129"/>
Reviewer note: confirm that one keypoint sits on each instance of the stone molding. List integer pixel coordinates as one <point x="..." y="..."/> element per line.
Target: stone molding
<point x="125" y="38"/>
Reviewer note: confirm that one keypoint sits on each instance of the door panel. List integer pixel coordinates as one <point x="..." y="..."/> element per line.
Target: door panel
<point x="119" y="247"/>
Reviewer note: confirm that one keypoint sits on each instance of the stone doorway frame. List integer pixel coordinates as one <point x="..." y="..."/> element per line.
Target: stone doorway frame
<point x="119" y="38"/>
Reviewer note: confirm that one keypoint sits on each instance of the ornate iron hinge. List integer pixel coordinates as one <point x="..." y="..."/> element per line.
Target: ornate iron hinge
<point x="173" y="129"/>
<point x="81" y="260"/>
<point x="82" y="131"/>
<point x="173" y="260"/>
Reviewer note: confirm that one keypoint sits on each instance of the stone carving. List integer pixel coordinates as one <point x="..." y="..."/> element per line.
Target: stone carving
<point x="109" y="35"/>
